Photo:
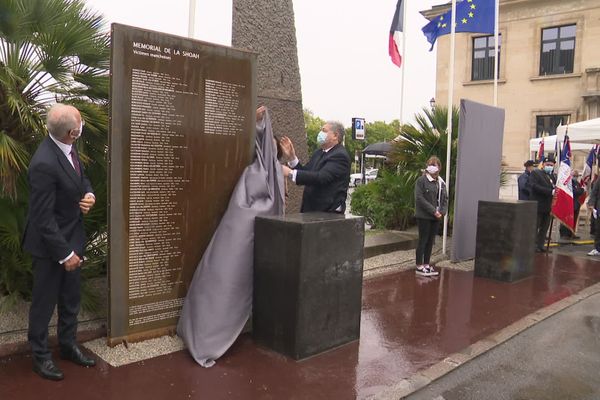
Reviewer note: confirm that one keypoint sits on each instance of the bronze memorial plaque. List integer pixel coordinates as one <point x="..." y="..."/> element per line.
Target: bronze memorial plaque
<point x="181" y="132"/>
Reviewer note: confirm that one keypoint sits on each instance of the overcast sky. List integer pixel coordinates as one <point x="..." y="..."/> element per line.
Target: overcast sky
<point x="342" y="49"/>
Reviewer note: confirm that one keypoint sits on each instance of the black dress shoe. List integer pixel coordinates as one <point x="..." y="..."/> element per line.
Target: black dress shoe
<point x="75" y="355"/>
<point x="47" y="370"/>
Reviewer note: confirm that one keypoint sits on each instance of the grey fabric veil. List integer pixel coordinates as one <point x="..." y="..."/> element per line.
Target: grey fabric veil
<point x="219" y="299"/>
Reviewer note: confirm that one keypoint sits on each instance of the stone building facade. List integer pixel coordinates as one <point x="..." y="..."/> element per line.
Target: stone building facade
<point x="549" y="69"/>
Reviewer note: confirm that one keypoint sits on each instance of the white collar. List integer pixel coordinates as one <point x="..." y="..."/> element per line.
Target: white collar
<point x="65" y="148"/>
<point x="429" y="177"/>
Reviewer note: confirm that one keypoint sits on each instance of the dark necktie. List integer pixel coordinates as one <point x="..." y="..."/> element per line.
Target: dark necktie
<point x="75" y="163"/>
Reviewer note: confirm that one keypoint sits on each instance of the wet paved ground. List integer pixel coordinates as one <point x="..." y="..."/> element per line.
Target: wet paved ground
<point x="556" y="359"/>
<point x="408" y="323"/>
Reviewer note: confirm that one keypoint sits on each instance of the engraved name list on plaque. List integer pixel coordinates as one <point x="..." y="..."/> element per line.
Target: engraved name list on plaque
<point x="181" y="132"/>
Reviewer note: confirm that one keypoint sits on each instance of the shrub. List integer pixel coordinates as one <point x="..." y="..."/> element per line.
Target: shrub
<point x="387" y="202"/>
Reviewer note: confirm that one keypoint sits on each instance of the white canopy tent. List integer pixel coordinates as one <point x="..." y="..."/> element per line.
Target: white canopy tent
<point x="581" y="134"/>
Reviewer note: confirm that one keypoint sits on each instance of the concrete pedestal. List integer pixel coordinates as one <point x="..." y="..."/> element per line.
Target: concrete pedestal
<point x="307" y="282"/>
<point x="505" y="239"/>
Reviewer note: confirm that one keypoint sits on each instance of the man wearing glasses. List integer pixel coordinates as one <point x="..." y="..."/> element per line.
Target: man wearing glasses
<point x="59" y="195"/>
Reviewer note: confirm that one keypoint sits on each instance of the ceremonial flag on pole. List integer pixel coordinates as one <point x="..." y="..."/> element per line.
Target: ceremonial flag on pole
<point x="471" y="16"/>
<point x="562" y="207"/>
<point x="395" y="31"/>
<point x="586" y="175"/>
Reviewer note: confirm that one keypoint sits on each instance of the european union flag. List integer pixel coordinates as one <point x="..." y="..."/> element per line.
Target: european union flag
<point x="472" y="16"/>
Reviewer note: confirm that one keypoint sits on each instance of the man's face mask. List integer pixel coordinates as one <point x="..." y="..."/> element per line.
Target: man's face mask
<point x="548" y="168"/>
<point x="321" y="138"/>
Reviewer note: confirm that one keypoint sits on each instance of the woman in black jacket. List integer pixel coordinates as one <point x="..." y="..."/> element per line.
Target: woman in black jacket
<point x="431" y="204"/>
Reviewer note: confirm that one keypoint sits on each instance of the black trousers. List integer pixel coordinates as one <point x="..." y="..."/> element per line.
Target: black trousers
<point x="543" y="223"/>
<point x="564" y="231"/>
<point x="52" y="286"/>
<point x="428" y="228"/>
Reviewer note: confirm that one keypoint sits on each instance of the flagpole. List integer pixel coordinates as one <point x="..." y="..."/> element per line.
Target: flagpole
<point x="192" y="19"/>
<point x="404" y="57"/>
<point x="496" y="58"/>
<point x="449" y="122"/>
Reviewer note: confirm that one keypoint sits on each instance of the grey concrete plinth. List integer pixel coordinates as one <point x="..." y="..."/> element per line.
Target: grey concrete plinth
<point x="388" y="242"/>
<point x="505" y="239"/>
<point x="307" y="282"/>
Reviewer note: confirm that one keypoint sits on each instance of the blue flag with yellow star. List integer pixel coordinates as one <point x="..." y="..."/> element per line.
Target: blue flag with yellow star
<point x="471" y="16"/>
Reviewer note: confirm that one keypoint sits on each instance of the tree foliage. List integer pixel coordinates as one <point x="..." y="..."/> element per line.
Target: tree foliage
<point x="50" y="51"/>
<point x="377" y="131"/>
<point x="414" y="145"/>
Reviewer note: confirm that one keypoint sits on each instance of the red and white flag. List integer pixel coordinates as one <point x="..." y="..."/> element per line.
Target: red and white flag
<point x="586" y="175"/>
<point x="540" y="154"/>
<point x="395" y="34"/>
<point x="562" y="207"/>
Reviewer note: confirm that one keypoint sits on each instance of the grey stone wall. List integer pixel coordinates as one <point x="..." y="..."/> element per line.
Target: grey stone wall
<point x="267" y="27"/>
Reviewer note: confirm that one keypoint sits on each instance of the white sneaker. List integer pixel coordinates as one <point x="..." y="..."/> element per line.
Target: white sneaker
<point x="432" y="272"/>
<point x="594" y="252"/>
<point x="422" y="270"/>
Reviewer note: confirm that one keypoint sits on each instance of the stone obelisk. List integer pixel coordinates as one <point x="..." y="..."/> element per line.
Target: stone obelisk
<point x="267" y="27"/>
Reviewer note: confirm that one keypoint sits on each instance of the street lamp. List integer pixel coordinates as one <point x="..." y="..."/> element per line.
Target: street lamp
<point x="432" y="103"/>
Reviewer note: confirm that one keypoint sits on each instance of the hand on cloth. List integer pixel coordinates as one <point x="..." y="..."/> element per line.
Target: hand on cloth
<point x="438" y="215"/>
<point x="260" y="113"/>
<point x="595" y="213"/>
<point x="87" y="203"/>
<point x="287" y="171"/>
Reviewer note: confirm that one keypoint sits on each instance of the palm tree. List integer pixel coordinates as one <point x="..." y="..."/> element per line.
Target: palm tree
<point x="50" y="50"/>
<point x="429" y="137"/>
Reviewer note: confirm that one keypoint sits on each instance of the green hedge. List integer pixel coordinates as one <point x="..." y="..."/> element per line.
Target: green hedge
<point x="388" y="201"/>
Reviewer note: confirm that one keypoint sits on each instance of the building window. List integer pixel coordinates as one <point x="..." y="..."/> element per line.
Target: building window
<point x="558" y="50"/>
<point x="483" y="57"/>
<point x="546" y="124"/>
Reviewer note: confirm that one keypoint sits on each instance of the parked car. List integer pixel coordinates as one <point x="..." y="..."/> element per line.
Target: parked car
<point x="357" y="179"/>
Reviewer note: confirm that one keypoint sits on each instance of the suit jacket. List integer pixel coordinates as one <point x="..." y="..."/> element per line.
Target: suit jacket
<point x="541" y="186"/>
<point x="325" y="177"/>
<point x="577" y="192"/>
<point x="523" y="186"/>
<point x="594" y="200"/>
<point x="54" y="225"/>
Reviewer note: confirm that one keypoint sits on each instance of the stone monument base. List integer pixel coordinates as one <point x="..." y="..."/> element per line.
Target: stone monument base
<point x="307" y="282"/>
<point x="505" y="241"/>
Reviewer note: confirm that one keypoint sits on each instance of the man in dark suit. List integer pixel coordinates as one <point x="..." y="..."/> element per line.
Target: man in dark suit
<point x="522" y="180"/>
<point x="326" y="175"/>
<point x="541" y="189"/>
<point x="54" y="235"/>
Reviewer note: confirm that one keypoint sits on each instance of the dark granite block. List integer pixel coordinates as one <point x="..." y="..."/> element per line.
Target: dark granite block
<point x="505" y="239"/>
<point x="307" y="282"/>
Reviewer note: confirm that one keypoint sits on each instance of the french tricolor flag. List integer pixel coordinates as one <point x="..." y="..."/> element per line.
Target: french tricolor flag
<point x="395" y="31"/>
<point x="562" y="207"/>
<point x="586" y="176"/>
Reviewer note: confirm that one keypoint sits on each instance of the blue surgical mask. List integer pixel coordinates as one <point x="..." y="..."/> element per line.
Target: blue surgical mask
<point x="321" y="138"/>
<point x="548" y="169"/>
